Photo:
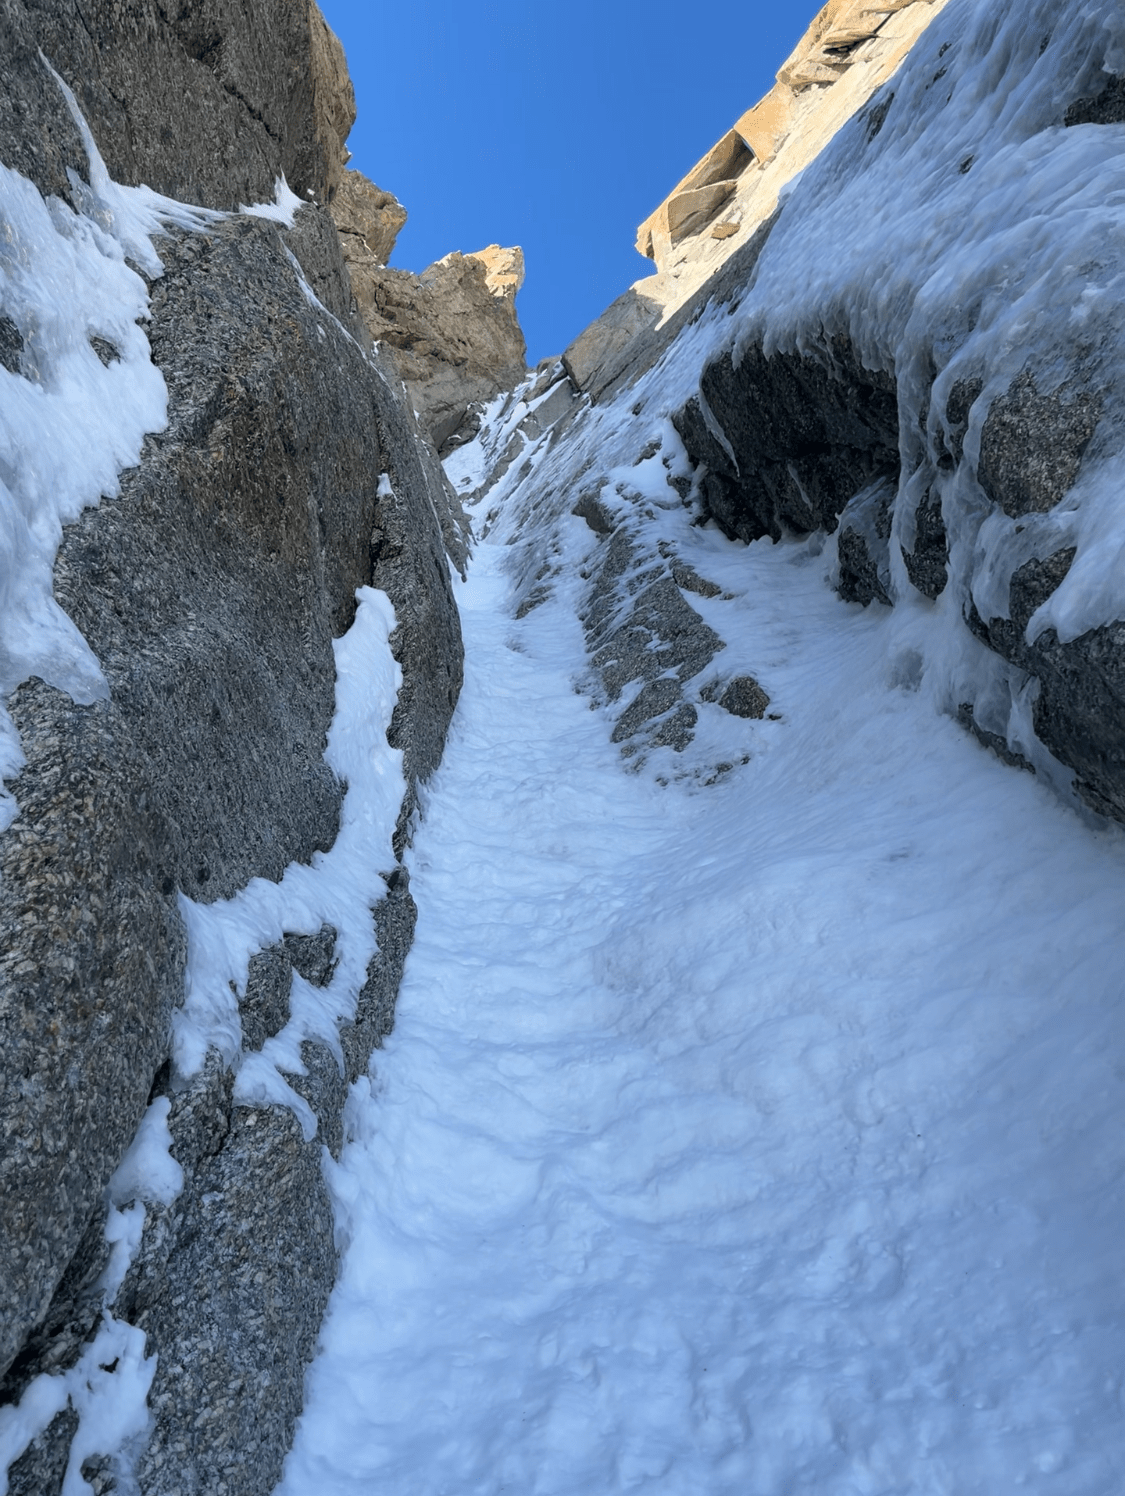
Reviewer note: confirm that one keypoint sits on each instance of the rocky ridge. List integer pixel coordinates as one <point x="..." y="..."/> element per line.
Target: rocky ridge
<point x="451" y="333"/>
<point x="709" y="228"/>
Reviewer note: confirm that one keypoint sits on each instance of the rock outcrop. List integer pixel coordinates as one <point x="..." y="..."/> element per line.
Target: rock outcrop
<point x="945" y="487"/>
<point x="368" y="221"/>
<point x="451" y="332"/>
<point x="824" y="377"/>
<point x="210" y="588"/>
<point x="716" y="213"/>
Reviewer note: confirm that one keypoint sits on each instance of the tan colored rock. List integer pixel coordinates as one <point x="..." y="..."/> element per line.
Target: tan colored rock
<point x="333" y="97"/>
<point x="695" y="200"/>
<point x="452" y="333"/>
<point x="504" y="269"/>
<point x="808" y="104"/>
<point x="367" y="219"/>
<point x="851" y="48"/>
<point x="764" y="127"/>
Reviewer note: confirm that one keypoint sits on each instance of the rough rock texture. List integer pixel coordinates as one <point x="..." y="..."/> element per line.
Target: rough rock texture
<point x="222" y="1254"/>
<point x="206" y="102"/>
<point x="1079" y="712"/>
<point x="211" y="589"/>
<point x="368" y="221"/>
<point x="452" y="332"/>
<point x="453" y="345"/>
<point x="633" y="332"/>
<point x="802" y="436"/>
<point x="846" y="40"/>
<point x="927" y="562"/>
<point x="504" y="269"/>
<point x="851" y="48"/>
<point x="742" y="696"/>
<point x="799" y="442"/>
<point x="91" y="957"/>
<point x="412" y="543"/>
<point x="864" y="546"/>
<point x="1032" y="446"/>
<point x="646" y="643"/>
<point x="1105" y="106"/>
<point x="42" y="1466"/>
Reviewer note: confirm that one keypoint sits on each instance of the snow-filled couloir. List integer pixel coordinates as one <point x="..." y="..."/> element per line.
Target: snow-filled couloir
<point x="751" y="1119"/>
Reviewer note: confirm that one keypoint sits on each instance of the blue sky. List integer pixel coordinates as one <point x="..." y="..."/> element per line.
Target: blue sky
<point x="558" y="128"/>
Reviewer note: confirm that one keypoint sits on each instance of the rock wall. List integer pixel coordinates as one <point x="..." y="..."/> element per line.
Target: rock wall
<point x="211" y="589"/>
<point x="451" y="333"/>
<point x="880" y="365"/>
<point x="205" y="102"/>
<point x="942" y="483"/>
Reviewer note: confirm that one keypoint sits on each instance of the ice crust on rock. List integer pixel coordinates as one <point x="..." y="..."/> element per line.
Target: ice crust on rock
<point x="975" y="237"/>
<point x="971" y="242"/>
<point x="70" y="418"/>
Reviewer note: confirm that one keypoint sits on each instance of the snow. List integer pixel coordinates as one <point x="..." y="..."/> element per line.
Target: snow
<point x="751" y="1122"/>
<point x="756" y="1137"/>
<point x="282" y="210"/>
<point x="68" y="423"/>
<point x="107" y="1387"/>
<point x="339" y="887"/>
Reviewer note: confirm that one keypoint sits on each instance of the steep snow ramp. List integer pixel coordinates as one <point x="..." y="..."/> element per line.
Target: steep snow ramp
<point x="745" y="1137"/>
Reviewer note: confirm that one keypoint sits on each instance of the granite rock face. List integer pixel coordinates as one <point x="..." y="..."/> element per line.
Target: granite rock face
<point x="798" y="442"/>
<point x="205" y="102"/>
<point x="211" y="588"/>
<point x="368" y="221"/>
<point x="800" y="436"/>
<point x="451" y="332"/>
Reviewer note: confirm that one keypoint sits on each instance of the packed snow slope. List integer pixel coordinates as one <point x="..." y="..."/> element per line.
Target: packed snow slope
<point x="752" y="1137"/>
